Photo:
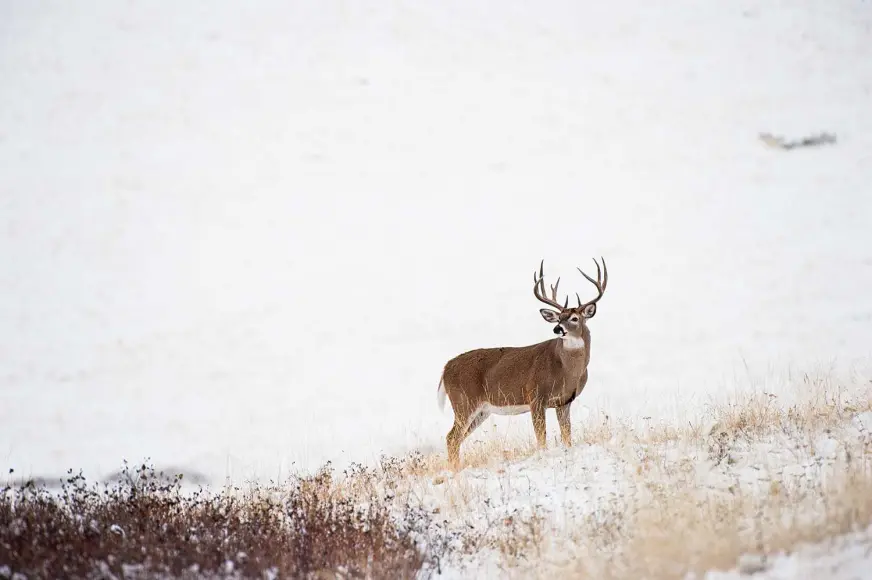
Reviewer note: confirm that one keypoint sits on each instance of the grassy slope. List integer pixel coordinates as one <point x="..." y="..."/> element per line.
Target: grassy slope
<point x="754" y="475"/>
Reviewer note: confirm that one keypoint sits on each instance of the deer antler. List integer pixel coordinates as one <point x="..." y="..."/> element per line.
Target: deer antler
<point x="539" y="289"/>
<point x="602" y="278"/>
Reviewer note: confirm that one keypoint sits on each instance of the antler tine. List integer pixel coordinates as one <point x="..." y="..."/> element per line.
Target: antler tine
<point x="554" y="290"/>
<point x="589" y="279"/>
<point x="602" y="278"/>
<point x="539" y="283"/>
<point x="554" y="294"/>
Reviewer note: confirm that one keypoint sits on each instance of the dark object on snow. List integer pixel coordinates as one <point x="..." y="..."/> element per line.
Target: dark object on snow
<point x="812" y="141"/>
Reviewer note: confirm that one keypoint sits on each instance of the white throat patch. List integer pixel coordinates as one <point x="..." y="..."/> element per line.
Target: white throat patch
<point x="573" y="342"/>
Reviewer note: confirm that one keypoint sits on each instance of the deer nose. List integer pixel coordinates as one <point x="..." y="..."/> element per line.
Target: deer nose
<point x="559" y="330"/>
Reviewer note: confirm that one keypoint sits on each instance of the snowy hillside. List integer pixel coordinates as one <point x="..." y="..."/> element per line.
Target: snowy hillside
<point x="244" y="238"/>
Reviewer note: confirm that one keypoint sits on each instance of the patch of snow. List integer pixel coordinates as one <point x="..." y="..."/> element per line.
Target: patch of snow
<point x="847" y="557"/>
<point x="863" y="422"/>
<point x="116" y="529"/>
<point x="752" y="563"/>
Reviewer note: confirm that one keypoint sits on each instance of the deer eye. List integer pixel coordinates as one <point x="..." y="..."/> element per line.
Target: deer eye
<point x="573" y="319"/>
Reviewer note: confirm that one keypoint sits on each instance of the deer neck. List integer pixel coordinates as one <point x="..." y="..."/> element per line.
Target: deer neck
<point x="574" y="351"/>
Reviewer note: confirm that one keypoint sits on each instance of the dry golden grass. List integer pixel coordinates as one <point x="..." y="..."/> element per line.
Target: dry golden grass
<point x="488" y="453"/>
<point x="680" y="530"/>
<point x="670" y="524"/>
<point x="818" y="405"/>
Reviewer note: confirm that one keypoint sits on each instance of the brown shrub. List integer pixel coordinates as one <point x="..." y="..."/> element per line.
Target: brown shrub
<point x="144" y="526"/>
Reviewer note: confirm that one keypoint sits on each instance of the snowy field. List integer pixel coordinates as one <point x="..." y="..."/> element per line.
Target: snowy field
<point x="656" y="504"/>
<point x="244" y="238"/>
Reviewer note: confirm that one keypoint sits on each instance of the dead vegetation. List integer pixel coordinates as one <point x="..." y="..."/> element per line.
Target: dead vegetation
<point x="144" y="527"/>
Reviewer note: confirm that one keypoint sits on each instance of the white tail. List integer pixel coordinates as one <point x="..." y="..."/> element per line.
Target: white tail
<point x="440" y="395"/>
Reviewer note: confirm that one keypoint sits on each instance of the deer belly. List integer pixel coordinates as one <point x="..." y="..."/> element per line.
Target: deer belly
<point x="508" y="410"/>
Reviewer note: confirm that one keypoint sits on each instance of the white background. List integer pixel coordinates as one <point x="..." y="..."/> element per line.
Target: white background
<point x="245" y="237"/>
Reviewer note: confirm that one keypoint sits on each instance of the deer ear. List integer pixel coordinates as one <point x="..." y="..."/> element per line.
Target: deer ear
<point x="549" y="315"/>
<point x="589" y="310"/>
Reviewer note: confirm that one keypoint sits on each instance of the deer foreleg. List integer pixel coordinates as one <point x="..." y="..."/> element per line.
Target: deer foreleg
<point x="537" y="411"/>
<point x="565" y="425"/>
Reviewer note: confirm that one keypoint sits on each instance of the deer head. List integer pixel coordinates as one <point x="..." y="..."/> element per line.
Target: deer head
<point x="570" y="322"/>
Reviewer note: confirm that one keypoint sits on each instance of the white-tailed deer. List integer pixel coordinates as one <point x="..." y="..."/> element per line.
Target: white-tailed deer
<point x="512" y="380"/>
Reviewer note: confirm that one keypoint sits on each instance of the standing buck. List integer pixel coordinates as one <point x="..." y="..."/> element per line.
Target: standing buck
<point x="512" y="380"/>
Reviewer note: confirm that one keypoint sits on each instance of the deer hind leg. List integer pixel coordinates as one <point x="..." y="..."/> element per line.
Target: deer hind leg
<point x="462" y="429"/>
<point x="565" y="425"/>
<point x="453" y="440"/>
<point x="456" y="436"/>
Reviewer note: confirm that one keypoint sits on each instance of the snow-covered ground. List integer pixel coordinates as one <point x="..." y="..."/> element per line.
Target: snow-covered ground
<point x="846" y="557"/>
<point x="628" y="503"/>
<point x="245" y="237"/>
